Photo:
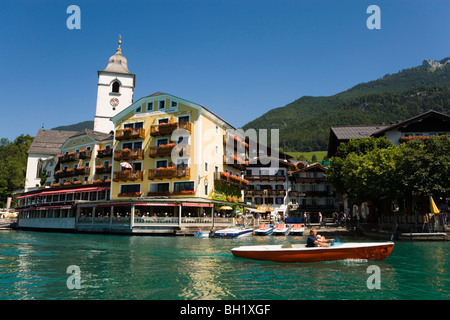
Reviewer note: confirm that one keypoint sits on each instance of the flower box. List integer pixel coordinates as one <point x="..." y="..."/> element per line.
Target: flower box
<point x="130" y="194"/>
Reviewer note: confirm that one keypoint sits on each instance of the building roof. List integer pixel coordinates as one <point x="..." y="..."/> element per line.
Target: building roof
<point x="96" y="135"/>
<point x="356" y="132"/>
<point x="419" y="118"/>
<point x="49" y="142"/>
<point x="117" y="63"/>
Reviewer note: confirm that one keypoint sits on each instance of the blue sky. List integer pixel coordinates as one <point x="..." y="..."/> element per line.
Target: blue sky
<point x="237" y="58"/>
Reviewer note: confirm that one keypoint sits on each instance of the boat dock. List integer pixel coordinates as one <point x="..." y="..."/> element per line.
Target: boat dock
<point x="8" y="224"/>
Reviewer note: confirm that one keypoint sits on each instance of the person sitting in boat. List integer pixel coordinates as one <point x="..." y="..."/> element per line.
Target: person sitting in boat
<point x="314" y="241"/>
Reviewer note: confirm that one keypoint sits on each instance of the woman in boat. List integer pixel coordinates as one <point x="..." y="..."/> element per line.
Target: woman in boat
<point x="314" y="241"/>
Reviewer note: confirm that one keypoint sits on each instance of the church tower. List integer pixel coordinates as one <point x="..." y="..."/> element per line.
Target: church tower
<point x="114" y="92"/>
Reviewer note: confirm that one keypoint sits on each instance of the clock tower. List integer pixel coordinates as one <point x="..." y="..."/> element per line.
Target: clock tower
<point x="114" y="92"/>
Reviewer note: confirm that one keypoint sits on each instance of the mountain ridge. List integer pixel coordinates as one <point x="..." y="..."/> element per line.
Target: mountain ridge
<point x="304" y="123"/>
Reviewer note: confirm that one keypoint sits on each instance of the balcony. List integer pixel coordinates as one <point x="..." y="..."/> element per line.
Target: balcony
<point x="128" y="154"/>
<point x="309" y="180"/>
<point x="130" y="133"/>
<point x="230" y="139"/>
<point x="169" y="173"/>
<point x="296" y="194"/>
<point x="230" y="179"/>
<point x="266" y="193"/>
<point x="235" y="161"/>
<point x="265" y="177"/>
<point x="165" y="129"/>
<point x="84" y="154"/>
<point x="69" y="172"/>
<point x="166" y="150"/>
<point x="72" y="156"/>
<point x="104" y="153"/>
<point x="128" y="175"/>
<point x="82" y="171"/>
<point x="103" y="169"/>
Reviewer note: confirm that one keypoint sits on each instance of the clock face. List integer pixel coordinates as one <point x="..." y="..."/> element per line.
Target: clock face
<point x="114" y="102"/>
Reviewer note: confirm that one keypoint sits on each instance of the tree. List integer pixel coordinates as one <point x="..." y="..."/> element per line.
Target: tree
<point x="13" y="164"/>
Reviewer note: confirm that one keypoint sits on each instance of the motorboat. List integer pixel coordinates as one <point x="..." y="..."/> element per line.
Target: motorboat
<point x="297" y="230"/>
<point x="264" y="230"/>
<point x="234" y="232"/>
<point x="282" y="229"/>
<point x="201" y="234"/>
<point x="301" y="253"/>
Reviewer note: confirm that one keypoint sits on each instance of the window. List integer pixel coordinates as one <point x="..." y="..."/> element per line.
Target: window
<point x="161" y="142"/>
<point x="183" y="119"/>
<point x="217" y="150"/>
<point x="217" y="128"/>
<point x="130" y="188"/>
<point x="216" y="169"/>
<point x="182" y="163"/>
<point x="150" y="106"/>
<point x="174" y="104"/>
<point x="183" y="186"/>
<point x="164" y="120"/>
<point x="206" y="189"/>
<point x="206" y="166"/>
<point x="162" y="187"/>
<point x="161" y="164"/>
<point x="115" y="87"/>
<point x="162" y="104"/>
<point x="279" y="200"/>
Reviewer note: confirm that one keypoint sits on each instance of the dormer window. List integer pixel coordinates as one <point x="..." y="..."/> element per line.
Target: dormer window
<point x="115" y="87"/>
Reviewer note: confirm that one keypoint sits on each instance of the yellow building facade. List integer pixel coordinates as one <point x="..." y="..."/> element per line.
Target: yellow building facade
<point x="167" y="146"/>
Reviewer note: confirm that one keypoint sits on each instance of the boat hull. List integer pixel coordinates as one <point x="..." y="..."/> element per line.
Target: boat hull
<point x="264" y="232"/>
<point x="299" y="253"/>
<point x="233" y="233"/>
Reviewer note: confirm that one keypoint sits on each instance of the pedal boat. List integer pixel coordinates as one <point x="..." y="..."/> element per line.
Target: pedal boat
<point x="264" y="230"/>
<point x="301" y="253"/>
<point x="297" y="230"/>
<point x="282" y="229"/>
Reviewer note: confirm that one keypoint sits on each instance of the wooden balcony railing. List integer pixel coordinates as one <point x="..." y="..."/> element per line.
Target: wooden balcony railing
<point x="73" y="156"/>
<point x="103" y="153"/>
<point x="128" y="154"/>
<point x="164" y="129"/>
<point x="169" y="173"/>
<point x="103" y="169"/>
<point x="130" y="133"/>
<point x="128" y="175"/>
<point x="235" y="162"/>
<point x="265" y="177"/>
<point x="230" y="179"/>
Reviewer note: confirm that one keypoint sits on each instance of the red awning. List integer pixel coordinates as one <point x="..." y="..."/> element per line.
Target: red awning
<point x="157" y="204"/>
<point x="52" y="192"/>
<point x="53" y="207"/>
<point x="188" y="204"/>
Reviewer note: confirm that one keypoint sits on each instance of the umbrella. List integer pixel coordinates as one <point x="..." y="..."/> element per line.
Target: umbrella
<point x="433" y="208"/>
<point x="126" y="165"/>
<point x="225" y="208"/>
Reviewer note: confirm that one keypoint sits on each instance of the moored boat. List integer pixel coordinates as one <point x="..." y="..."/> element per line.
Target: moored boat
<point x="201" y="234"/>
<point x="264" y="230"/>
<point x="301" y="253"/>
<point x="282" y="229"/>
<point x="234" y="232"/>
<point x="297" y="230"/>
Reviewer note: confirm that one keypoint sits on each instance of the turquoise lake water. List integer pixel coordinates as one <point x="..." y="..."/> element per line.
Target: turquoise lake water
<point x="34" y="265"/>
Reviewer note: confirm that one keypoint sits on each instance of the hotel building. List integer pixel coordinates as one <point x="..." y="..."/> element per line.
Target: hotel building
<point x="161" y="164"/>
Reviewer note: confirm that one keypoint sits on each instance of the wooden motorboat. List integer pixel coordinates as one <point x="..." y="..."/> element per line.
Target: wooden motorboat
<point x="301" y="253"/>
<point x="282" y="229"/>
<point x="297" y="230"/>
<point x="264" y="230"/>
<point x="234" y="232"/>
